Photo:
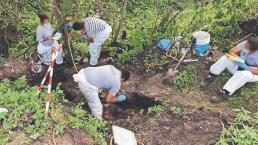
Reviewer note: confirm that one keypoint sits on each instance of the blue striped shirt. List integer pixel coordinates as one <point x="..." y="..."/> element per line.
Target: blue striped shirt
<point x="94" y="25"/>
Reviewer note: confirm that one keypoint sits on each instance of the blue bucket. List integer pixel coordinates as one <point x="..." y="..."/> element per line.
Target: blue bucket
<point x="201" y="50"/>
<point x="201" y="47"/>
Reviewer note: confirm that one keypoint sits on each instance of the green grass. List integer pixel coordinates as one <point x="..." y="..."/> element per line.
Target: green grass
<point x="243" y="131"/>
<point x="26" y="113"/>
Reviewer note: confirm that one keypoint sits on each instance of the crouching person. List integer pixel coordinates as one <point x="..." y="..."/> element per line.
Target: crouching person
<point x="92" y="79"/>
<point x="242" y="72"/>
<point x="46" y="42"/>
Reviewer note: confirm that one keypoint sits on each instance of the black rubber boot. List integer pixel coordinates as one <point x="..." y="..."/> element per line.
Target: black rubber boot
<point x="223" y="95"/>
<point x="208" y="80"/>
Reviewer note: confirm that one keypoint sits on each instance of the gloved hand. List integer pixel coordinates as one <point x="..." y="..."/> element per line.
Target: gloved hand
<point x="69" y="25"/>
<point x="84" y="38"/>
<point x="244" y="66"/>
<point x="121" y="98"/>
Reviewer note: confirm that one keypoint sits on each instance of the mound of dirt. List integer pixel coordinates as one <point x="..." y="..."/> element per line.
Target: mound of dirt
<point x="70" y="137"/>
<point x="14" y="69"/>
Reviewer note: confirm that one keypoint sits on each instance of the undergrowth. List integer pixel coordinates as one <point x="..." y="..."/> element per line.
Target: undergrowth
<point x="156" y="110"/>
<point x="185" y="78"/>
<point x="243" y="131"/>
<point x="26" y="113"/>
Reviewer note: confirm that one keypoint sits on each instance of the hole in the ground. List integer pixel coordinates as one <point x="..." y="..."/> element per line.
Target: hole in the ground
<point x="134" y="103"/>
<point x="138" y="101"/>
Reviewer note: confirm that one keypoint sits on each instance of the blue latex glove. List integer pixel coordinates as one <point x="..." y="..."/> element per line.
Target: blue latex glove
<point x="244" y="66"/>
<point x="69" y="25"/>
<point x="121" y="98"/>
<point x="84" y="38"/>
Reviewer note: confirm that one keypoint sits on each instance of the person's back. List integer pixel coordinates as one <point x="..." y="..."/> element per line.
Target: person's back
<point x="94" y="25"/>
<point x="103" y="77"/>
<point x="92" y="79"/>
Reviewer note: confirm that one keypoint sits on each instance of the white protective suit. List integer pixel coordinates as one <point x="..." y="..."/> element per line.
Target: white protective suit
<point x="95" y="47"/>
<point x="90" y="93"/>
<point x="44" y="47"/>
<point x="93" y="79"/>
<point x="239" y="78"/>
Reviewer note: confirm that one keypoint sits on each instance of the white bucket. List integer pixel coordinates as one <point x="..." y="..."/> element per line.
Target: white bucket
<point x="202" y="37"/>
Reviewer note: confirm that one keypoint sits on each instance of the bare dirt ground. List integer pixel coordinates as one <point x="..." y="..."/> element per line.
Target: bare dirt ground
<point x="200" y="124"/>
<point x="197" y="126"/>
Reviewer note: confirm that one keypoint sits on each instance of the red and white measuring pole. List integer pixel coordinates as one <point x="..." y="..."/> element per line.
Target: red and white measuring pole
<point x="56" y="49"/>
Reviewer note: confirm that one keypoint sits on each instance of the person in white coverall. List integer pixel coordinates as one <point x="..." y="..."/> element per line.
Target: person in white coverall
<point x="93" y="79"/>
<point x="242" y="72"/>
<point x="46" y="41"/>
<point x="96" y="31"/>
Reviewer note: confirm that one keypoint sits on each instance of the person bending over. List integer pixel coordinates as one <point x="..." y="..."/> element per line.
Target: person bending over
<point x="93" y="79"/>
<point x="242" y="72"/>
<point x="96" y="31"/>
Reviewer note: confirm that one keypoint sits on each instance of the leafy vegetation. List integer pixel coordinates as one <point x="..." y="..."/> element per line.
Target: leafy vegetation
<point x="185" y="78"/>
<point x="242" y="131"/>
<point x="176" y="110"/>
<point x="143" y="22"/>
<point x="156" y="110"/>
<point x="26" y="113"/>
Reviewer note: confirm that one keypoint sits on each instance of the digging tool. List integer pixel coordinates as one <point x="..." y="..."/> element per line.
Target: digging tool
<point x="174" y="71"/>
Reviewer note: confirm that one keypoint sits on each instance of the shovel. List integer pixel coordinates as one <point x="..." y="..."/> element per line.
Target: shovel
<point x="174" y="71"/>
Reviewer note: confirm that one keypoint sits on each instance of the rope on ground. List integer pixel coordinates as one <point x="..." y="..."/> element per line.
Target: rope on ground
<point x="53" y="136"/>
<point x="24" y="51"/>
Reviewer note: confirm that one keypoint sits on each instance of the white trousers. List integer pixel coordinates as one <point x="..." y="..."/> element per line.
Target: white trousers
<point x="45" y="54"/>
<point x="239" y="78"/>
<point x="95" y="47"/>
<point x="90" y="93"/>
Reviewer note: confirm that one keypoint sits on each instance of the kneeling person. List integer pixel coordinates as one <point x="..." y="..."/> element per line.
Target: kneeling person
<point x="92" y="79"/>
<point x="242" y="72"/>
<point x="46" y="42"/>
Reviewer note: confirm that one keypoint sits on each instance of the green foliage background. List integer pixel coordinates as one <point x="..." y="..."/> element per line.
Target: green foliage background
<point x="144" y="21"/>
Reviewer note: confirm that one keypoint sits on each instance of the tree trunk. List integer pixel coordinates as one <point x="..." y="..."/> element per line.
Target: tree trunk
<point x="120" y="24"/>
<point x="4" y="44"/>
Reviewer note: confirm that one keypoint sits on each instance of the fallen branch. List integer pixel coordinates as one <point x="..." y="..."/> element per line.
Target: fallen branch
<point x="244" y="38"/>
<point x="23" y="53"/>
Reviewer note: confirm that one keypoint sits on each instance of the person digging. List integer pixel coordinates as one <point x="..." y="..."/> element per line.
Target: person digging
<point x="96" y="31"/>
<point x="243" y="72"/>
<point x="91" y="80"/>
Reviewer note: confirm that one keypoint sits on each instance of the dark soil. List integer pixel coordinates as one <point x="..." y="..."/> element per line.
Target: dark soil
<point x="250" y="26"/>
<point x="196" y="126"/>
